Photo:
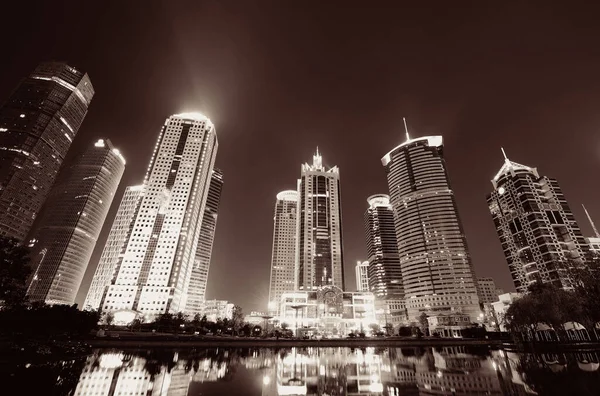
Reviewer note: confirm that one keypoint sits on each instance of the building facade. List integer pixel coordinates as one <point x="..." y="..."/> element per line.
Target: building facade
<point x="437" y="272"/>
<point x="65" y="235"/>
<point x="320" y="259"/>
<point x="328" y="310"/>
<point x="283" y="255"/>
<point x="217" y="309"/>
<point x="114" y="248"/>
<point x="362" y="276"/>
<point x="536" y="227"/>
<point x="38" y="122"/>
<point x="488" y="292"/>
<point x="199" y="277"/>
<point x="155" y="272"/>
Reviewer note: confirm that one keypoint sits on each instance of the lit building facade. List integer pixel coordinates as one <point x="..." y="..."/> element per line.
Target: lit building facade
<point x="536" y="227"/>
<point x="328" y="310"/>
<point x="38" y="122"/>
<point x="114" y="248"/>
<point x="199" y="277"/>
<point x="217" y="309"/>
<point x="283" y="256"/>
<point x="362" y="276"/>
<point x="437" y="272"/>
<point x="155" y="272"/>
<point x="488" y="293"/>
<point x="66" y="233"/>
<point x="320" y="257"/>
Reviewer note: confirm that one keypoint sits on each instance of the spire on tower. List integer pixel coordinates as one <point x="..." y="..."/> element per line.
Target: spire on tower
<point x="591" y="222"/>
<point x="317" y="160"/>
<point x="504" y="153"/>
<point x="406" y="129"/>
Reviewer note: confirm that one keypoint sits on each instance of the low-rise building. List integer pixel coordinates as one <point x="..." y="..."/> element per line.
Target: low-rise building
<point x="501" y="306"/>
<point x="328" y="311"/>
<point x="217" y="309"/>
<point x="448" y="325"/>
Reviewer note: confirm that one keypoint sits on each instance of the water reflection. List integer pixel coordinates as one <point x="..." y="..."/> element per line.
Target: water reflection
<point x="312" y="371"/>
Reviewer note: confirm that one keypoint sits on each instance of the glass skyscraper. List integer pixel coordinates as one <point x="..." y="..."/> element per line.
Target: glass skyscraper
<point x="38" y="122"/>
<point x="320" y="250"/>
<point x="437" y="273"/>
<point x="199" y="277"/>
<point x="537" y="229"/>
<point x="283" y="254"/>
<point x="70" y="223"/>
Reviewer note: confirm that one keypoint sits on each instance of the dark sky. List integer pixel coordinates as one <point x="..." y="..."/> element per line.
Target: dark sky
<point x="279" y="78"/>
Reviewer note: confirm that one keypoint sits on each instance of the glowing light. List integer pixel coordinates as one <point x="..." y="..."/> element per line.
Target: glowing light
<point x="501" y="190"/>
<point x="432" y="141"/>
<point x="100" y="143"/>
<point x="266" y="380"/>
<point x="288" y="195"/>
<point x="22" y="116"/>
<point x="111" y="360"/>
<point x="3" y="129"/>
<point x="67" y="124"/>
<point x="195" y="116"/>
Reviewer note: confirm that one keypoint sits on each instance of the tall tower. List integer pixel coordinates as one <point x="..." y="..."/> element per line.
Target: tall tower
<point x="155" y="272"/>
<point x="199" y="277"/>
<point x="71" y="221"/>
<point x="537" y="229"/>
<point x="114" y="248"/>
<point x="38" y="122"/>
<point x="385" y="273"/>
<point x="436" y="268"/>
<point x="283" y="256"/>
<point x="362" y="276"/>
<point x="320" y="256"/>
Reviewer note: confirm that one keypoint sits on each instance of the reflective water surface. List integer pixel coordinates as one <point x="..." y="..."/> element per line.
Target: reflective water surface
<point x="309" y="371"/>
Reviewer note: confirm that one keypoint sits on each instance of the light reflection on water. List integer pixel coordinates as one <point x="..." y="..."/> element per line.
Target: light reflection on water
<point x="311" y="371"/>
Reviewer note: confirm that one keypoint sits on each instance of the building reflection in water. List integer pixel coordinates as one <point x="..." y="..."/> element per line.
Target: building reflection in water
<point x="335" y="371"/>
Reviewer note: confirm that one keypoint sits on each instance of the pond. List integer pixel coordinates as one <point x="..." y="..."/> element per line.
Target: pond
<point x="309" y="371"/>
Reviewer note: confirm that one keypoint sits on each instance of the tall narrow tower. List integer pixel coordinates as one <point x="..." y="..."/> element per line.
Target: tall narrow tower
<point x="320" y="257"/>
<point x="385" y="273"/>
<point x="155" y="272"/>
<point x="199" y="277"/>
<point x="283" y="256"/>
<point x="65" y="236"/>
<point x="114" y="248"/>
<point x="38" y="122"/>
<point x="436" y="268"/>
<point x="537" y="229"/>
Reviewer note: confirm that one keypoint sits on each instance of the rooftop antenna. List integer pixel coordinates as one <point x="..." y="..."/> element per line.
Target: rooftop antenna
<point x="591" y="222"/>
<point x="406" y="129"/>
<point x="504" y="153"/>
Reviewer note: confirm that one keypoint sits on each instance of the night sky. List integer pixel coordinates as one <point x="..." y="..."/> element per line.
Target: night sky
<point x="280" y="78"/>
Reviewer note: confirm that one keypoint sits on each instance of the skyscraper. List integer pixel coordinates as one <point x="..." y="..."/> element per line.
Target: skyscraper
<point x="537" y="229"/>
<point x="155" y="272"/>
<point x="65" y="236"/>
<point x="320" y="256"/>
<point x="38" y="122"/>
<point x="362" y="276"/>
<point x="436" y="268"/>
<point x="199" y="277"/>
<point x="488" y="293"/>
<point x="283" y="254"/>
<point x="114" y="248"/>
<point x="385" y="273"/>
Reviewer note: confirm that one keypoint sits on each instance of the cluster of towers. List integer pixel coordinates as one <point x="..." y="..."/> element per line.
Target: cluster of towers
<point x="157" y="255"/>
<point x="418" y="258"/>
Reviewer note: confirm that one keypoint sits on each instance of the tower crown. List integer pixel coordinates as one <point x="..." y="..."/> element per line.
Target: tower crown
<point x="512" y="168"/>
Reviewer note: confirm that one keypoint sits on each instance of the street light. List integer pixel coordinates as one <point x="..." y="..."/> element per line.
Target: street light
<point x="297" y="307"/>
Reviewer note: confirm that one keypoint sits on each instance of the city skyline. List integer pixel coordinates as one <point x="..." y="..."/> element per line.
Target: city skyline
<point x="445" y="81"/>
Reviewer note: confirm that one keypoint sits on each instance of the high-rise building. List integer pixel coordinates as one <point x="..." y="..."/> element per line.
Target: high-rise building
<point x="488" y="293"/>
<point x="38" y="122"/>
<point x="65" y="236"/>
<point x="437" y="272"/>
<point x="593" y="242"/>
<point x="320" y="257"/>
<point x="155" y="272"/>
<point x="114" y="248"/>
<point x="283" y="254"/>
<point x="385" y="273"/>
<point x="537" y="229"/>
<point x="199" y="277"/>
<point x="362" y="276"/>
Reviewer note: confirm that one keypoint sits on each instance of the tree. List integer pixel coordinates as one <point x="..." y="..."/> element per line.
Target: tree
<point x="237" y="318"/>
<point x="14" y="271"/>
<point x="285" y="326"/>
<point x="109" y="319"/>
<point x="424" y="323"/>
